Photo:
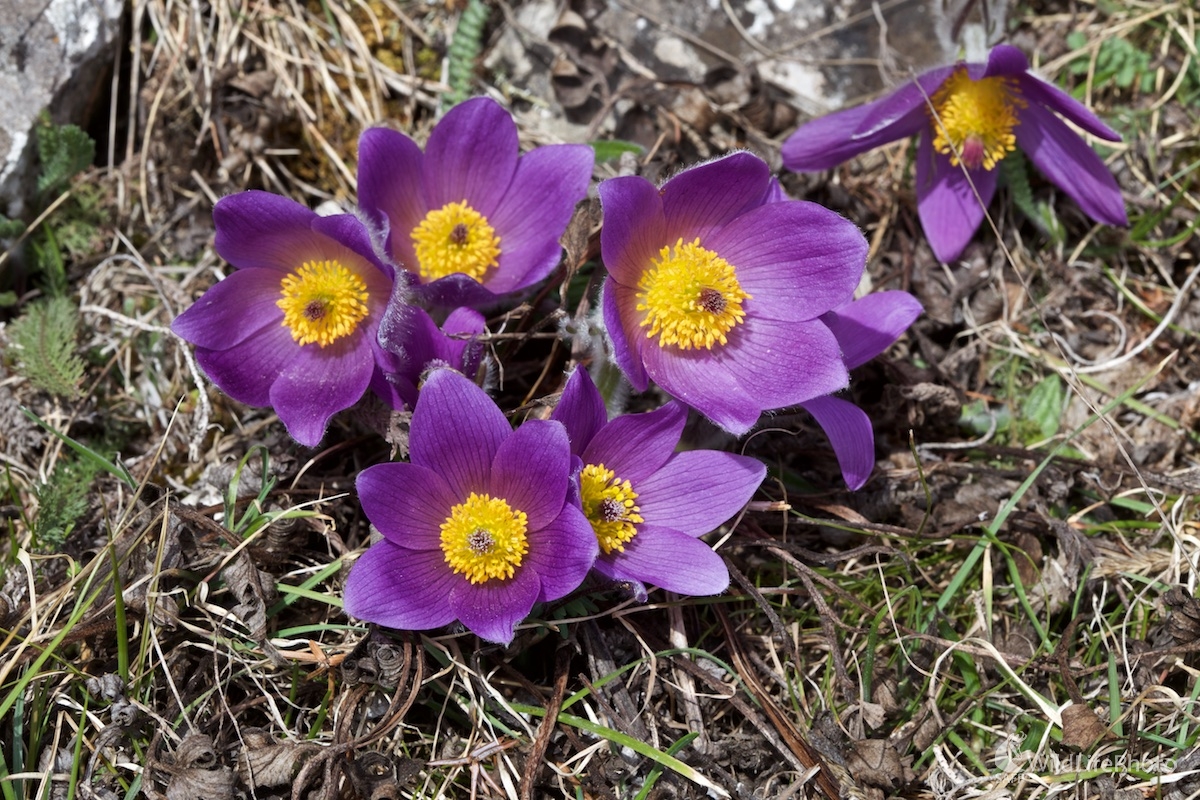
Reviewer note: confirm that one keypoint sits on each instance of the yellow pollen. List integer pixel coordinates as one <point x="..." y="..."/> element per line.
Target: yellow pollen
<point x="974" y="120"/>
<point x="610" y="505"/>
<point x="691" y="297"/>
<point x="484" y="538"/>
<point x="322" y="302"/>
<point x="455" y="238"/>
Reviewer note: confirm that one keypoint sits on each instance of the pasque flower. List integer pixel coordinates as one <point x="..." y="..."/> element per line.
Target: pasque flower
<point x="477" y="527"/>
<point x="646" y="503"/>
<point x="864" y="328"/>
<point x="969" y="118"/>
<point x="715" y="292"/>
<point x="413" y="344"/>
<point x="294" y="326"/>
<point x="471" y="217"/>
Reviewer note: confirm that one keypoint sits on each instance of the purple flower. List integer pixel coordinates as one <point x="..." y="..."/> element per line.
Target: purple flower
<point x="471" y="217"/>
<point x="715" y="291"/>
<point x="864" y="329"/>
<point x="476" y="527"/>
<point x="646" y="503"/>
<point x="971" y="115"/>
<point x="294" y="327"/>
<point x="413" y="344"/>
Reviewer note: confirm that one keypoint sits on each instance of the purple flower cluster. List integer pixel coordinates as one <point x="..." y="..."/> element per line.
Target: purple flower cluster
<point x="484" y="521"/>
<point x="733" y="299"/>
<point x="321" y="309"/>
<point x="969" y="117"/>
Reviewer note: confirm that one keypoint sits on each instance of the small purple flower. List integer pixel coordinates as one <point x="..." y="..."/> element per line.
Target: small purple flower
<point x="971" y="115"/>
<point x="413" y="344"/>
<point x="864" y="329"/>
<point x="715" y="291"/>
<point x="471" y="217"/>
<point x="294" y="326"/>
<point x="646" y="503"/>
<point x="476" y="527"/>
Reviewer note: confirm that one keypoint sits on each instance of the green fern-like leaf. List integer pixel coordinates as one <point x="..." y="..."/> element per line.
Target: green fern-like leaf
<point x="62" y="500"/>
<point x="10" y="228"/>
<point x="44" y="343"/>
<point x="64" y="150"/>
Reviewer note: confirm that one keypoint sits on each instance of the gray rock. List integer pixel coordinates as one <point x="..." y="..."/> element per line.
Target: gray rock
<point x="53" y="56"/>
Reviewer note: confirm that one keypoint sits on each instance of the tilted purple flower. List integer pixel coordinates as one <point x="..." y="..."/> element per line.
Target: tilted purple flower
<point x="477" y="527"/>
<point x="864" y="329"/>
<point x="646" y="503"/>
<point x="715" y="291"/>
<point x="471" y="217"/>
<point x="971" y="115"/>
<point x="294" y="327"/>
<point x="413" y="344"/>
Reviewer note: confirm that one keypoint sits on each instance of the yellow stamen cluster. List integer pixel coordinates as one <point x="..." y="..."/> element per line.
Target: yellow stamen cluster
<point x="691" y="297"/>
<point x="610" y="505"/>
<point x="974" y="120"/>
<point x="322" y="301"/>
<point x="455" y="238"/>
<point x="484" y="538"/>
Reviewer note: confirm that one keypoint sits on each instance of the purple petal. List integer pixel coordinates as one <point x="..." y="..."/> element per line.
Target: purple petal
<point x="548" y="183"/>
<point x="946" y="203"/>
<point x="455" y="290"/>
<point x="849" y="430"/>
<point x="404" y="327"/>
<point x="260" y="229"/>
<point x="562" y="553"/>
<point x="905" y="111"/>
<point x="321" y="381"/>
<point x="782" y="364"/>
<point x="406" y="503"/>
<point x="390" y="188"/>
<point x="456" y="430"/>
<point x="634" y="230"/>
<point x="1072" y="165"/>
<point x="703" y="198"/>
<point x="827" y="141"/>
<point x="1041" y="93"/>
<point x="797" y="260"/>
<point x="669" y="559"/>
<point x="700" y="380"/>
<point x="349" y="231"/>
<point x="232" y="310"/>
<point x="869" y="325"/>
<point x="1004" y="59"/>
<point x="580" y="409"/>
<point x="531" y="469"/>
<point x="619" y="304"/>
<point x="493" y="608"/>
<point x="634" y="446"/>
<point x="246" y="371"/>
<point x="471" y="155"/>
<point x="400" y="588"/>
<point x="699" y="490"/>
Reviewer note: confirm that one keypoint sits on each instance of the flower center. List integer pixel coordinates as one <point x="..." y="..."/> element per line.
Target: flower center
<point x="609" y="504"/>
<point x="455" y="238"/>
<point x="484" y="538"/>
<point x="691" y="297"/>
<point x="974" y="120"/>
<point x="322" y="302"/>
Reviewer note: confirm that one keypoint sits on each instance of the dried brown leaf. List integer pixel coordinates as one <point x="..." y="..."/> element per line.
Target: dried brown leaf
<point x="198" y="773"/>
<point x="1081" y="727"/>
<point x="265" y="761"/>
